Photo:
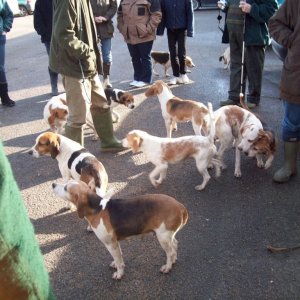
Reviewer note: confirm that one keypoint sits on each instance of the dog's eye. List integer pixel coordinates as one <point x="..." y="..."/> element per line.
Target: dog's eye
<point x="255" y="149"/>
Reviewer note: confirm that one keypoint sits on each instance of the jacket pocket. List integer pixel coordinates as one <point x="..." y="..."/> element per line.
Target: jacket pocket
<point x="141" y="30"/>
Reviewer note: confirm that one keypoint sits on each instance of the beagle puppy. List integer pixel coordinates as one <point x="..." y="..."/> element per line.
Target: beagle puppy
<point x="74" y="161"/>
<point x="117" y="97"/>
<point x="56" y="113"/>
<point x="241" y="128"/>
<point x="175" y="109"/>
<point x="226" y="58"/>
<point x="163" y="58"/>
<point x="162" y="151"/>
<point x="113" y="220"/>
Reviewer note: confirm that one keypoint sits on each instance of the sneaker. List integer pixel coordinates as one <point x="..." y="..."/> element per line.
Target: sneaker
<point x="174" y="80"/>
<point x="140" y="84"/>
<point x="229" y="102"/>
<point x="133" y="83"/>
<point x="184" y="78"/>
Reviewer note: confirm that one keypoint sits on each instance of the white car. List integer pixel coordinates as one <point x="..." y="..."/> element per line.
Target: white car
<point x="14" y="6"/>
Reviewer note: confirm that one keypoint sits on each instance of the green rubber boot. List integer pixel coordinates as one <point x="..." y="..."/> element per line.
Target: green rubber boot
<point x="75" y="134"/>
<point x="289" y="167"/>
<point x="104" y="128"/>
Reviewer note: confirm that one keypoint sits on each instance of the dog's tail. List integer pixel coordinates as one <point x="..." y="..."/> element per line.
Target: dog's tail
<point x="212" y="131"/>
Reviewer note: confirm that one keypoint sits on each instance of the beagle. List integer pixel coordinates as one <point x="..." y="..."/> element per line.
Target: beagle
<point x="226" y="58"/>
<point x="74" y="161"/>
<point x="163" y="58"/>
<point x="162" y="151"/>
<point x="175" y="109"/>
<point x="113" y="220"/>
<point x="56" y="112"/>
<point x="116" y="97"/>
<point x="240" y="127"/>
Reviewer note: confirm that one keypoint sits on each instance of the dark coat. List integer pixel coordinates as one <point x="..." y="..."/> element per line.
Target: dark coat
<point x="42" y="19"/>
<point x="6" y="17"/>
<point x="177" y="14"/>
<point x="284" y="27"/>
<point x="106" y="9"/>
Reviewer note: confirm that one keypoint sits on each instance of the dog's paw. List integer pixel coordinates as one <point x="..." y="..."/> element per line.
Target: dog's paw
<point x="199" y="187"/>
<point x="165" y="269"/>
<point x="118" y="275"/>
<point x="238" y="174"/>
<point x="267" y="165"/>
<point x="113" y="265"/>
<point x="89" y="228"/>
<point x="260" y="164"/>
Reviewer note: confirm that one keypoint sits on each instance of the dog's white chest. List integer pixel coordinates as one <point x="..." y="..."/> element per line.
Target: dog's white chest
<point x="101" y="232"/>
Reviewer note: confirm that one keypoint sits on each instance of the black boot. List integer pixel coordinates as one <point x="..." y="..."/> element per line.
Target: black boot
<point x="4" y="96"/>
<point x="106" y="72"/>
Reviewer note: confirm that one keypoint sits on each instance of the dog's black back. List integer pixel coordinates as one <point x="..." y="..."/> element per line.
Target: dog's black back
<point x="160" y="57"/>
<point x="113" y="95"/>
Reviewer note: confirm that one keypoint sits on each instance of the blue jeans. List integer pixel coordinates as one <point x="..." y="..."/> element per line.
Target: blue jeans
<point x="53" y="75"/>
<point x="106" y="50"/>
<point x="2" y="58"/>
<point x="141" y="61"/>
<point x="291" y="122"/>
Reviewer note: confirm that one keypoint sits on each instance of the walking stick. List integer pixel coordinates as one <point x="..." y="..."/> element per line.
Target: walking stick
<point x="242" y="102"/>
<point x="282" y="250"/>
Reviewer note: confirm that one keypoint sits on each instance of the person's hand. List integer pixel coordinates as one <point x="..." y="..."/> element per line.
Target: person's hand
<point x="100" y="19"/>
<point x="245" y="7"/>
<point x="3" y="32"/>
<point x="221" y="4"/>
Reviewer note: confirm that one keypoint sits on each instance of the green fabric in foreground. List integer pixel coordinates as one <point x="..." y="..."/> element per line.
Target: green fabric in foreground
<point x="22" y="271"/>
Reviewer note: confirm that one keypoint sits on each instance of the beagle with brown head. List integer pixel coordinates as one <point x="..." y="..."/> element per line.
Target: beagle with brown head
<point x="175" y="109"/>
<point x="162" y="151"/>
<point x="56" y="113"/>
<point x="163" y="58"/>
<point x="113" y="220"/>
<point x="239" y="127"/>
<point x="74" y="161"/>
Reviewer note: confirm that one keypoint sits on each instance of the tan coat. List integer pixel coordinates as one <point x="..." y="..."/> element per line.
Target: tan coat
<point x="284" y="27"/>
<point x="138" y="20"/>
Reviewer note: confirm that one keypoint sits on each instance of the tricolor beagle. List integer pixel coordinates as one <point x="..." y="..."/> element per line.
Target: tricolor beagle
<point x="113" y="220"/>
<point x="175" y="109"/>
<point x="74" y="161"/>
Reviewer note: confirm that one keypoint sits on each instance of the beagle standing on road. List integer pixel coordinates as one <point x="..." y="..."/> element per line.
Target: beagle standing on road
<point x="113" y="220"/>
<point x="162" y="151"/>
<point x="175" y="109"/>
<point x="74" y="161"/>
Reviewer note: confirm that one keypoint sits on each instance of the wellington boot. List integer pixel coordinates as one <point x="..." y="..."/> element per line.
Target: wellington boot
<point x="5" y="99"/>
<point x="104" y="128"/>
<point x="75" y="134"/>
<point x="106" y="73"/>
<point x="289" y="167"/>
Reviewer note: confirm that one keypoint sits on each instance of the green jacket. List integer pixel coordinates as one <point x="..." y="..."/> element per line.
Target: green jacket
<point x="107" y="9"/>
<point x="256" y="29"/>
<point x="6" y="17"/>
<point x="74" y="39"/>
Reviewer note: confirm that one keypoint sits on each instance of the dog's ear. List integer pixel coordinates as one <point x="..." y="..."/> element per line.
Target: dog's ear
<point x="81" y="210"/>
<point x="272" y="141"/>
<point x="55" y="145"/>
<point x="136" y="144"/>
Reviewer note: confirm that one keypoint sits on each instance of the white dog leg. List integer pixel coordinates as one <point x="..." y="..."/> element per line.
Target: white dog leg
<point x="160" y="170"/>
<point x="269" y="162"/>
<point x="115" y="116"/>
<point x="237" y="169"/>
<point x="114" y="249"/>
<point x="259" y="161"/>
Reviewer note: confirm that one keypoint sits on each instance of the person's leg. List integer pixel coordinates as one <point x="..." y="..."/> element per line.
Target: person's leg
<point x="181" y="34"/>
<point x="172" y="40"/>
<point x="254" y="61"/>
<point x="53" y="75"/>
<point x="78" y="95"/>
<point x="107" y="60"/>
<point x="236" y="46"/>
<point x="102" y="118"/>
<point x="291" y="138"/>
<point x="136" y="61"/>
<point x="145" y="50"/>
<point x="5" y="99"/>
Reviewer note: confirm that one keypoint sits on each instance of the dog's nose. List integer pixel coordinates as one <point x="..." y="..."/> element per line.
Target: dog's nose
<point x="54" y="185"/>
<point x="30" y="152"/>
<point x="132" y="106"/>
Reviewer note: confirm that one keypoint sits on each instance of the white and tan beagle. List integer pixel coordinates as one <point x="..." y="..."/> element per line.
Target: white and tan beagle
<point x="113" y="220"/>
<point x="226" y="58"/>
<point x="74" y="161"/>
<point x="162" y="151"/>
<point x="239" y="127"/>
<point x="175" y="109"/>
<point x="56" y="113"/>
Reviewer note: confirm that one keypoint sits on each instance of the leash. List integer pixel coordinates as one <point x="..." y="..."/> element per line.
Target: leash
<point x="219" y="18"/>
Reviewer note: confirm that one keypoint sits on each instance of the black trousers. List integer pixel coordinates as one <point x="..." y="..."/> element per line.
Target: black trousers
<point x="176" y="42"/>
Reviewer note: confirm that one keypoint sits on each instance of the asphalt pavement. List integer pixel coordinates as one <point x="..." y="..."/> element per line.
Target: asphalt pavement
<point x="222" y="250"/>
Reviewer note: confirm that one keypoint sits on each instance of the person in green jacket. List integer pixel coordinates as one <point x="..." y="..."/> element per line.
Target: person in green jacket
<point x="257" y="14"/>
<point x="6" y="21"/>
<point x="23" y="274"/>
<point x="74" y="54"/>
